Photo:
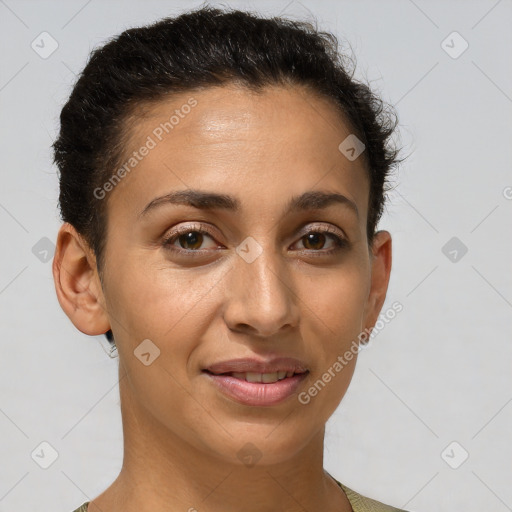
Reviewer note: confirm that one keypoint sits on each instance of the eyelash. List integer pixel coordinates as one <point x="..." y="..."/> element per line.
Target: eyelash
<point x="341" y="243"/>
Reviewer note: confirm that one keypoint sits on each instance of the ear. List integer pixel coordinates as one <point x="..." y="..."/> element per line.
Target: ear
<point x="77" y="282"/>
<point x="380" y="273"/>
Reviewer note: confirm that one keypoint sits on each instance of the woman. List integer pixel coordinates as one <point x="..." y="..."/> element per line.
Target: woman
<point x="222" y="177"/>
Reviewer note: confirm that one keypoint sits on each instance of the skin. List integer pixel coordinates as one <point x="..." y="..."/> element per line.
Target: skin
<point x="181" y="435"/>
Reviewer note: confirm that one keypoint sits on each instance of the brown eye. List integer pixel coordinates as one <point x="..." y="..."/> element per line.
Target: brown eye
<point x="191" y="240"/>
<point x="314" y="240"/>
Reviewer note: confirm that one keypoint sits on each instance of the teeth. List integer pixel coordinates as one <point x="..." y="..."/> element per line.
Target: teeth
<point x="266" y="378"/>
<point x="253" y="377"/>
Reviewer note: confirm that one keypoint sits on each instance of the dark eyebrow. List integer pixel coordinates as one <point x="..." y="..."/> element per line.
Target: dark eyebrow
<point x="313" y="200"/>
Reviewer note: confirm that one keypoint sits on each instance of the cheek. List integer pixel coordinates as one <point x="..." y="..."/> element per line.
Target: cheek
<point x="158" y="302"/>
<point x="336" y="312"/>
<point x="336" y="301"/>
<point x="159" y="392"/>
<point x="173" y="312"/>
<point x="333" y="311"/>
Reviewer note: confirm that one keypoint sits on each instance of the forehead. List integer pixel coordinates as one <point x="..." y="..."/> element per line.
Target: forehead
<point x="273" y="143"/>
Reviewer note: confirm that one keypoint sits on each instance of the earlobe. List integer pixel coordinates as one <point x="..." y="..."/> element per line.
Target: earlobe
<point x="380" y="273"/>
<point x="77" y="283"/>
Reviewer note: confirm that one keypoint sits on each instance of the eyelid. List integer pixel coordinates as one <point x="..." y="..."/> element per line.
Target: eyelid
<point x="324" y="228"/>
<point x="198" y="226"/>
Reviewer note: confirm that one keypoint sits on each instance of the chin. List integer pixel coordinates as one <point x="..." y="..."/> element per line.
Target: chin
<point x="260" y="444"/>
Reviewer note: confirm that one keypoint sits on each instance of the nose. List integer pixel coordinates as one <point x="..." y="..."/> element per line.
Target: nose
<point x="261" y="297"/>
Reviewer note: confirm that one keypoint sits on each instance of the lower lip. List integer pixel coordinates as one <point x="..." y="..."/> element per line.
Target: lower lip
<point x="257" y="393"/>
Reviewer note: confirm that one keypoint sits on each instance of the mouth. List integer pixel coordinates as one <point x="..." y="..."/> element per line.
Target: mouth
<point x="254" y="383"/>
<point x="265" y="378"/>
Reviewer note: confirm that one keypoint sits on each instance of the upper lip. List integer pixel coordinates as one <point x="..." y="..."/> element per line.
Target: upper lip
<point x="277" y="364"/>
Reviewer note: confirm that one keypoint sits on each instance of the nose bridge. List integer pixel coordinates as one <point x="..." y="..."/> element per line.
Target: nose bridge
<point x="261" y="294"/>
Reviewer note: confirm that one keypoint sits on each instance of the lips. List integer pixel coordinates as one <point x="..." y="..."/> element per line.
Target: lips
<point x="244" y="365"/>
<point x="257" y="382"/>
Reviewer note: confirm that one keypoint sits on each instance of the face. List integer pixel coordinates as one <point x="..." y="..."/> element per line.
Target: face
<point x="264" y="259"/>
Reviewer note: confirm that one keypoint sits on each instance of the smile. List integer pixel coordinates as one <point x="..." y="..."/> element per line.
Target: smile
<point x="257" y="389"/>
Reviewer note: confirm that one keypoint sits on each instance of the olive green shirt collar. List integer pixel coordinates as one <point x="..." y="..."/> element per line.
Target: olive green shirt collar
<point x="359" y="503"/>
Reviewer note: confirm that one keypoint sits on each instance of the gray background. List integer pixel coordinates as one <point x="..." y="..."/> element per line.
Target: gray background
<point x="439" y="372"/>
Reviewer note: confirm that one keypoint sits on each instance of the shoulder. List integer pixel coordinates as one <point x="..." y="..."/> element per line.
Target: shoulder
<point x="83" y="508"/>
<point x="363" y="504"/>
